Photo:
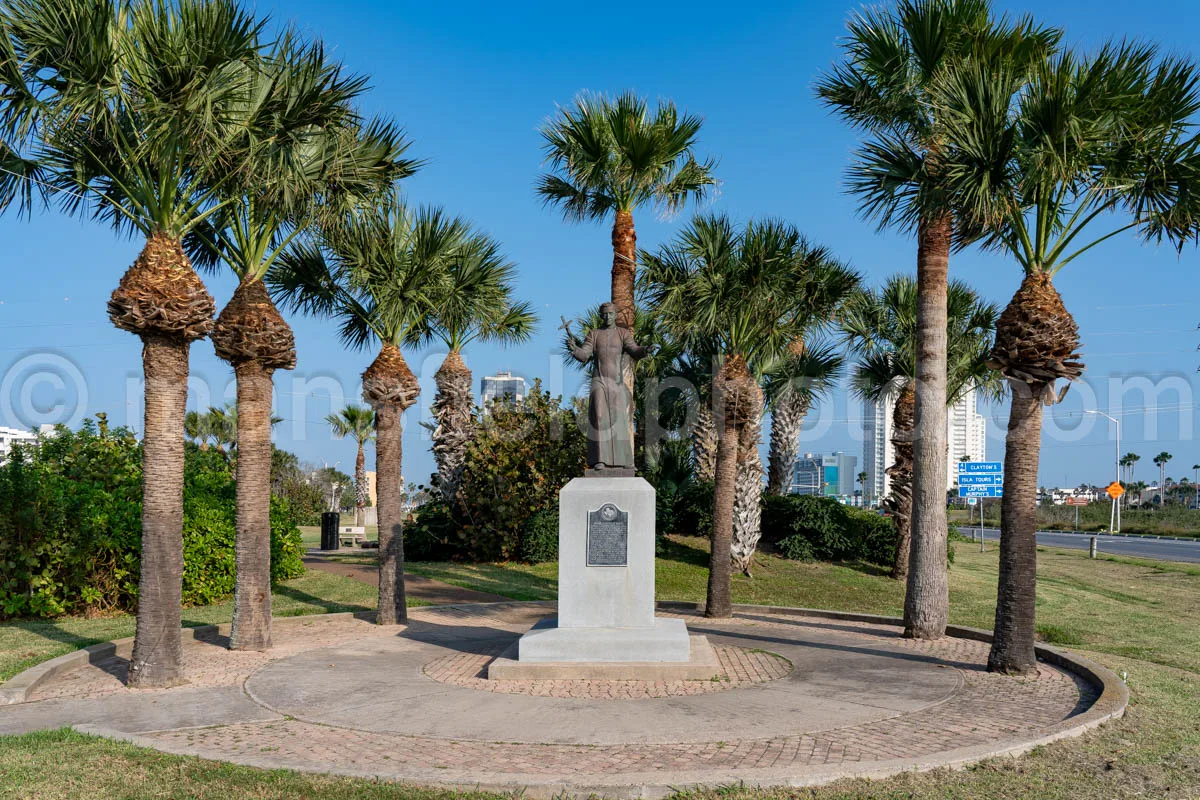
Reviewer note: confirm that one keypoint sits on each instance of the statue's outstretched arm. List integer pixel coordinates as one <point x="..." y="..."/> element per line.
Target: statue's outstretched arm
<point x="583" y="352"/>
<point x="631" y="347"/>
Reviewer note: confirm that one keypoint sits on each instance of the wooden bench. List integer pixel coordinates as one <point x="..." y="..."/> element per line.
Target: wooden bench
<point x="351" y="535"/>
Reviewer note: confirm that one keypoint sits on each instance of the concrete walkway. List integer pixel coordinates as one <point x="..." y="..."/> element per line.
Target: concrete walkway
<point x="418" y="587"/>
<point x="798" y="700"/>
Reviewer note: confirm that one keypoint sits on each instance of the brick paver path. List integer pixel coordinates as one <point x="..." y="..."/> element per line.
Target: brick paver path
<point x="740" y="667"/>
<point x="985" y="709"/>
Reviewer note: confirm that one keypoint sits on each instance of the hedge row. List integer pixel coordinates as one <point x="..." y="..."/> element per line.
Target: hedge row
<point x="70" y="526"/>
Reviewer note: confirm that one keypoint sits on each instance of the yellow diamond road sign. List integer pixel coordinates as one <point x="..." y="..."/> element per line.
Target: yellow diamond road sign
<point x="1115" y="490"/>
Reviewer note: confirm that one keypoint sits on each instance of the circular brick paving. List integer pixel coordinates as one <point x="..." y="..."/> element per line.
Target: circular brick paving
<point x="739" y="667"/>
<point x="808" y="700"/>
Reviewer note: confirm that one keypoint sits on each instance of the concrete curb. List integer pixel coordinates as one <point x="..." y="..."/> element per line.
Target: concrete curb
<point x="1110" y="704"/>
<point x="18" y="688"/>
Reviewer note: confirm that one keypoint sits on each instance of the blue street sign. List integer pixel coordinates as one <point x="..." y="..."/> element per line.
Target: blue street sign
<point x="984" y="479"/>
<point x="972" y="501"/>
<point x="972" y="467"/>
<point x="980" y="491"/>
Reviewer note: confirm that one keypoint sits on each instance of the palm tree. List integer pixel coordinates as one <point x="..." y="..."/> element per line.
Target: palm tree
<point x="1034" y="161"/>
<point x="358" y="423"/>
<point x="827" y="283"/>
<point x="476" y="305"/>
<point x="1130" y="461"/>
<point x="1160" y="461"/>
<point x="197" y="426"/>
<point x="1196" y="482"/>
<point x="612" y="156"/>
<point x="312" y="154"/>
<point x="881" y="326"/>
<point x="862" y="483"/>
<point x="892" y="58"/>
<point x="380" y="271"/>
<point x="728" y="293"/>
<point x="803" y="375"/>
<point x="223" y="427"/>
<point x="111" y="97"/>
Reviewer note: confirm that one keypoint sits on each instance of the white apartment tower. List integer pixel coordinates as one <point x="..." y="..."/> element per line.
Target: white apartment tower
<point x="878" y="452"/>
<point x="966" y="435"/>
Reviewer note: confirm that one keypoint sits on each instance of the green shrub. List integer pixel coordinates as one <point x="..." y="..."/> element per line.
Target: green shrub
<point x="539" y="543"/>
<point x="432" y="534"/>
<point x="693" y="509"/>
<point x="70" y="525"/>
<point x="521" y="455"/>
<point x="875" y="535"/>
<point x="806" y="527"/>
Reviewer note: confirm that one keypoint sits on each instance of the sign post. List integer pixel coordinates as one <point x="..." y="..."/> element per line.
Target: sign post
<point x="980" y="479"/>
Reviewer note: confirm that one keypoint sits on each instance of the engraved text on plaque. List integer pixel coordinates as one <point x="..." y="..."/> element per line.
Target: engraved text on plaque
<point x="608" y="537"/>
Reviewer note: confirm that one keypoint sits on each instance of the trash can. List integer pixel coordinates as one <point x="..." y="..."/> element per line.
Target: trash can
<point x="329" y="530"/>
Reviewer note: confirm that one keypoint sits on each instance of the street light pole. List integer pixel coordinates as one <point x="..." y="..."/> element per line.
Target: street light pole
<point x="1114" y="523"/>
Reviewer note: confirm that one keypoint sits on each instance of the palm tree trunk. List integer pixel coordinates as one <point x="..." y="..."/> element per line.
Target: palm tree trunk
<point x="704" y="443"/>
<point x="157" y="659"/>
<point x="452" y="413"/>
<point x="719" y="602"/>
<point x="624" y="245"/>
<point x="900" y="500"/>
<point x="1013" y="644"/>
<point x="393" y="605"/>
<point x="624" y="274"/>
<point x="251" y="629"/>
<point x="747" y="503"/>
<point x="361" y="491"/>
<point x="927" y="600"/>
<point x="787" y="419"/>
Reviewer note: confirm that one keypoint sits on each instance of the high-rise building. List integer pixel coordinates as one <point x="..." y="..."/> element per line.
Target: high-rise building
<point x="878" y="452"/>
<point x="966" y="436"/>
<point x="829" y="476"/>
<point x="12" y="436"/>
<point x="502" y="384"/>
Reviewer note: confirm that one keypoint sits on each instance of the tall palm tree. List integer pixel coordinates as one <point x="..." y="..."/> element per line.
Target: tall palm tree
<point x="862" y="484"/>
<point x="728" y="293"/>
<point x="1160" y="461"/>
<point x="133" y="111"/>
<point x="380" y="271"/>
<point x="358" y="423"/>
<point x="311" y="155"/>
<point x="1102" y="144"/>
<point x="476" y="305"/>
<point x="613" y="155"/>
<point x="1196" y="482"/>
<point x="892" y="58"/>
<point x="881" y="327"/>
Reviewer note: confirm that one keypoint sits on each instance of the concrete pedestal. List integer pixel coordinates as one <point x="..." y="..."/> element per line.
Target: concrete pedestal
<point x="606" y="584"/>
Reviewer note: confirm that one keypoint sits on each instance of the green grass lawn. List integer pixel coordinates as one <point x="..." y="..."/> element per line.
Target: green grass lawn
<point x="1140" y="618"/>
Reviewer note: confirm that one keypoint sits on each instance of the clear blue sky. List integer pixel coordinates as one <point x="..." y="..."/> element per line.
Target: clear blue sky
<point x="472" y="81"/>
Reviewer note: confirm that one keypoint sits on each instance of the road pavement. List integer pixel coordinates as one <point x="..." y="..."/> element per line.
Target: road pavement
<point x="1137" y="547"/>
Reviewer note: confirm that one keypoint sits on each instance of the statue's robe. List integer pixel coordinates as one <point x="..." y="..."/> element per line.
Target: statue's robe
<point x="610" y="408"/>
